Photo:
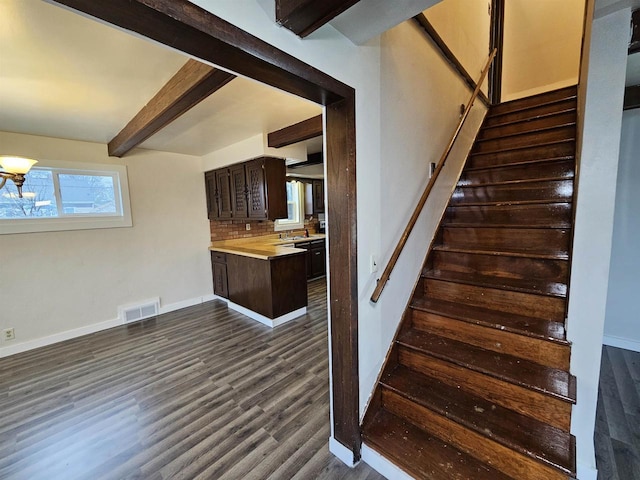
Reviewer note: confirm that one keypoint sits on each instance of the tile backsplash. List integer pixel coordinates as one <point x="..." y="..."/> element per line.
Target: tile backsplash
<point x="232" y="229"/>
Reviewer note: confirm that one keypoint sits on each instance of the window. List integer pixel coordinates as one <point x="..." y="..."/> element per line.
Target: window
<point x="66" y="196"/>
<point x="295" y="208"/>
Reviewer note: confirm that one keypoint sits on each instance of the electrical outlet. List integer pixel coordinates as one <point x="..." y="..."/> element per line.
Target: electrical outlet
<point x="8" y="334"/>
<point x="247" y="226"/>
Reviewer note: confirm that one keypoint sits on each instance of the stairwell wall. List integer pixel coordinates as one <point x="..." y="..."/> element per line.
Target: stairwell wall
<point x="622" y="325"/>
<point x="602" y="87"/>
<point x="420" y="108"/>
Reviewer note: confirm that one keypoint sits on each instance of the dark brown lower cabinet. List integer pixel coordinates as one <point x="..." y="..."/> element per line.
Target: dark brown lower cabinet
<point x="219" y="270"/>
<point x="272" y="287"/>
<point x="316" y="258"/>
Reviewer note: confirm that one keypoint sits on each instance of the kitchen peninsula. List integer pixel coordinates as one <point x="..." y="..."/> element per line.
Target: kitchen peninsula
<point x="261" y="278"/>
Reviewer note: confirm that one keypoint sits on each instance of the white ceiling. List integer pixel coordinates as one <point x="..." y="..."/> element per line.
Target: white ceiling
<point x="65" y="76"/>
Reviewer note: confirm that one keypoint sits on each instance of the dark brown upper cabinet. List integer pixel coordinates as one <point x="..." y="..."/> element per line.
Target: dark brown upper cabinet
<point x="318" y="196"/>
<point x="252" y="190"/>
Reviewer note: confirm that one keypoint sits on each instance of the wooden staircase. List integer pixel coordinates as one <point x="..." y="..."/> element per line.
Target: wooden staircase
<point x="477" y="383"/>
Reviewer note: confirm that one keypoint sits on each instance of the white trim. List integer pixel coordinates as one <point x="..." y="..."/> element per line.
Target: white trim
<point x="269" y="322"/>
<point x="341" y="452"/>
<point x="383" y="466"/>
<point x="586" y="472"/>
<point x="619" y="342"/>
<point x="7" y="351"/>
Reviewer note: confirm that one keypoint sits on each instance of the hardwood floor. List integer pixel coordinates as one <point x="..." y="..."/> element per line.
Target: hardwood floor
<point x="617" y="436"/>
<point x="202" y="393"/>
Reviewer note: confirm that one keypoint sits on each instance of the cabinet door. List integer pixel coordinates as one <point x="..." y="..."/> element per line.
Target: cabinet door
<point x="239" y="192"/>
<point x="223" y="182"/>
<point x="220" y="285"/>
<point x="212" y="194"/>
<point x="318" y="196"/>
<point x="318" y="261"/>
<point x="257" y="205"/>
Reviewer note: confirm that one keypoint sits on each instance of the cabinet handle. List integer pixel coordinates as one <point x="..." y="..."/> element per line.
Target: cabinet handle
<point x="317" y="253"/>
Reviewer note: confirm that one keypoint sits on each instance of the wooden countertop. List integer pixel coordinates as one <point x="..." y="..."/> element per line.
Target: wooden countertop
<point x="263" y="248"/>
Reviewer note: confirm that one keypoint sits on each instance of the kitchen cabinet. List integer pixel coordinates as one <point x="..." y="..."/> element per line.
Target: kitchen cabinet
<point x="272" y="287"/>
<point x="223" y="186"/>
<point x="220" y="278"/>
<point x="318" y="196"/>
<point x="316" y="257"/>
<point x="252" y="190"/>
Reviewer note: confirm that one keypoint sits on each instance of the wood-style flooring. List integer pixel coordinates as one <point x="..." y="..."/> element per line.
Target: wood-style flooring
<point x="617" y="437"/>
<point x="202" y="393"/>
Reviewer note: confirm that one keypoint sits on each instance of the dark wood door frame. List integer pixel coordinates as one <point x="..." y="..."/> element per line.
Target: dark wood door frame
<point x="190" y="29"/>
<point x="496" y="41"/>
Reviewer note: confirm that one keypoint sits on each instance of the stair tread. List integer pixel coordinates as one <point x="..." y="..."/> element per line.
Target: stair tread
<point x="521" y="181"/>
<point x="539" y="116"/>
<point x="545" y="98"/>
<point x="549" y="381"/>
<point x="559" y="255"/>
<point x="519" y="164"/>
<point x="525" y="285"/>
<point x="523" y="147"/>
<point x="526" y="132"/>
<point x="518" y="432"/>
<point x="520" y="324"/>
<point x="542" y="201"/>
<point x="423" y="455"/>
<point x="486" y="224"/>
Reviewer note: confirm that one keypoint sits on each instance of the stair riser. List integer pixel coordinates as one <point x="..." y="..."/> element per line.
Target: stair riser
<point x="560" y="119"/>
<point x="544" y="352"/>
<point x="525" y="140"/>
<point x="553" y="169"/>
<point x="559" y="191"/>
<point x="531" y="113"/>
<point x="548" y="215"/>
<point x="527" y="402"/>
<point x="551" y="308"/>
<point x="500" y="239"/>
<point x="527" y="154"/>
<point x="488" y="451"/>
<point x="502" y="266"/>
<point x="535" y="101"/>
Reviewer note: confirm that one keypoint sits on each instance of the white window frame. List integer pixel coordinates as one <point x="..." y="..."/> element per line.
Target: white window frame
<point x="78" y="221"/>
<point x="286" y="224"/>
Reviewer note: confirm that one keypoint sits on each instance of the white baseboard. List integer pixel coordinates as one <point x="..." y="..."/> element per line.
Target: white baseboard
<point x="586" y="472"/>
<point x="9" y="350"/>
<point x="619" y="342"/>
<point x="269" y="322"/>
<point x="341" y="452"/>
<point x="383" y="466"/>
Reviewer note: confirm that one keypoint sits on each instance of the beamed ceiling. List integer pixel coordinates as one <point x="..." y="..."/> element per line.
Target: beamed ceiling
<point x="66" y="76"/>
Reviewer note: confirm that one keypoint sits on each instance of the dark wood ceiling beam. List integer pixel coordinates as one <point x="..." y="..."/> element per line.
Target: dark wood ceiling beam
<point x="299" y="132"/>
<point x="194" y="82"/>
<point x="304" y="17"/>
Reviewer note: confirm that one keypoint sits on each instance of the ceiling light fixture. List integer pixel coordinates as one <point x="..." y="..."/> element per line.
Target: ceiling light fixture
<point x="14" y="169"/>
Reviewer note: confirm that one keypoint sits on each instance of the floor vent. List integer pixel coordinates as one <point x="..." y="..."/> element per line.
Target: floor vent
<point x="140" y="311"/>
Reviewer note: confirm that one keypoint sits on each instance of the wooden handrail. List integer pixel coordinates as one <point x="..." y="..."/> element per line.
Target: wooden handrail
<point x="423" y="199"/>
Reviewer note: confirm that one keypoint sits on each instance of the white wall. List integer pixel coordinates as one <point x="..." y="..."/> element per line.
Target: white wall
<point x="542" y="41"/>
<point x="419" y="112"/>
<point x="622" y="323"/>
<point x="61" y="284"/>
<point x="249" y="148"/>
<point x="464" y="26"/>
<point x="598" y="169"/>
